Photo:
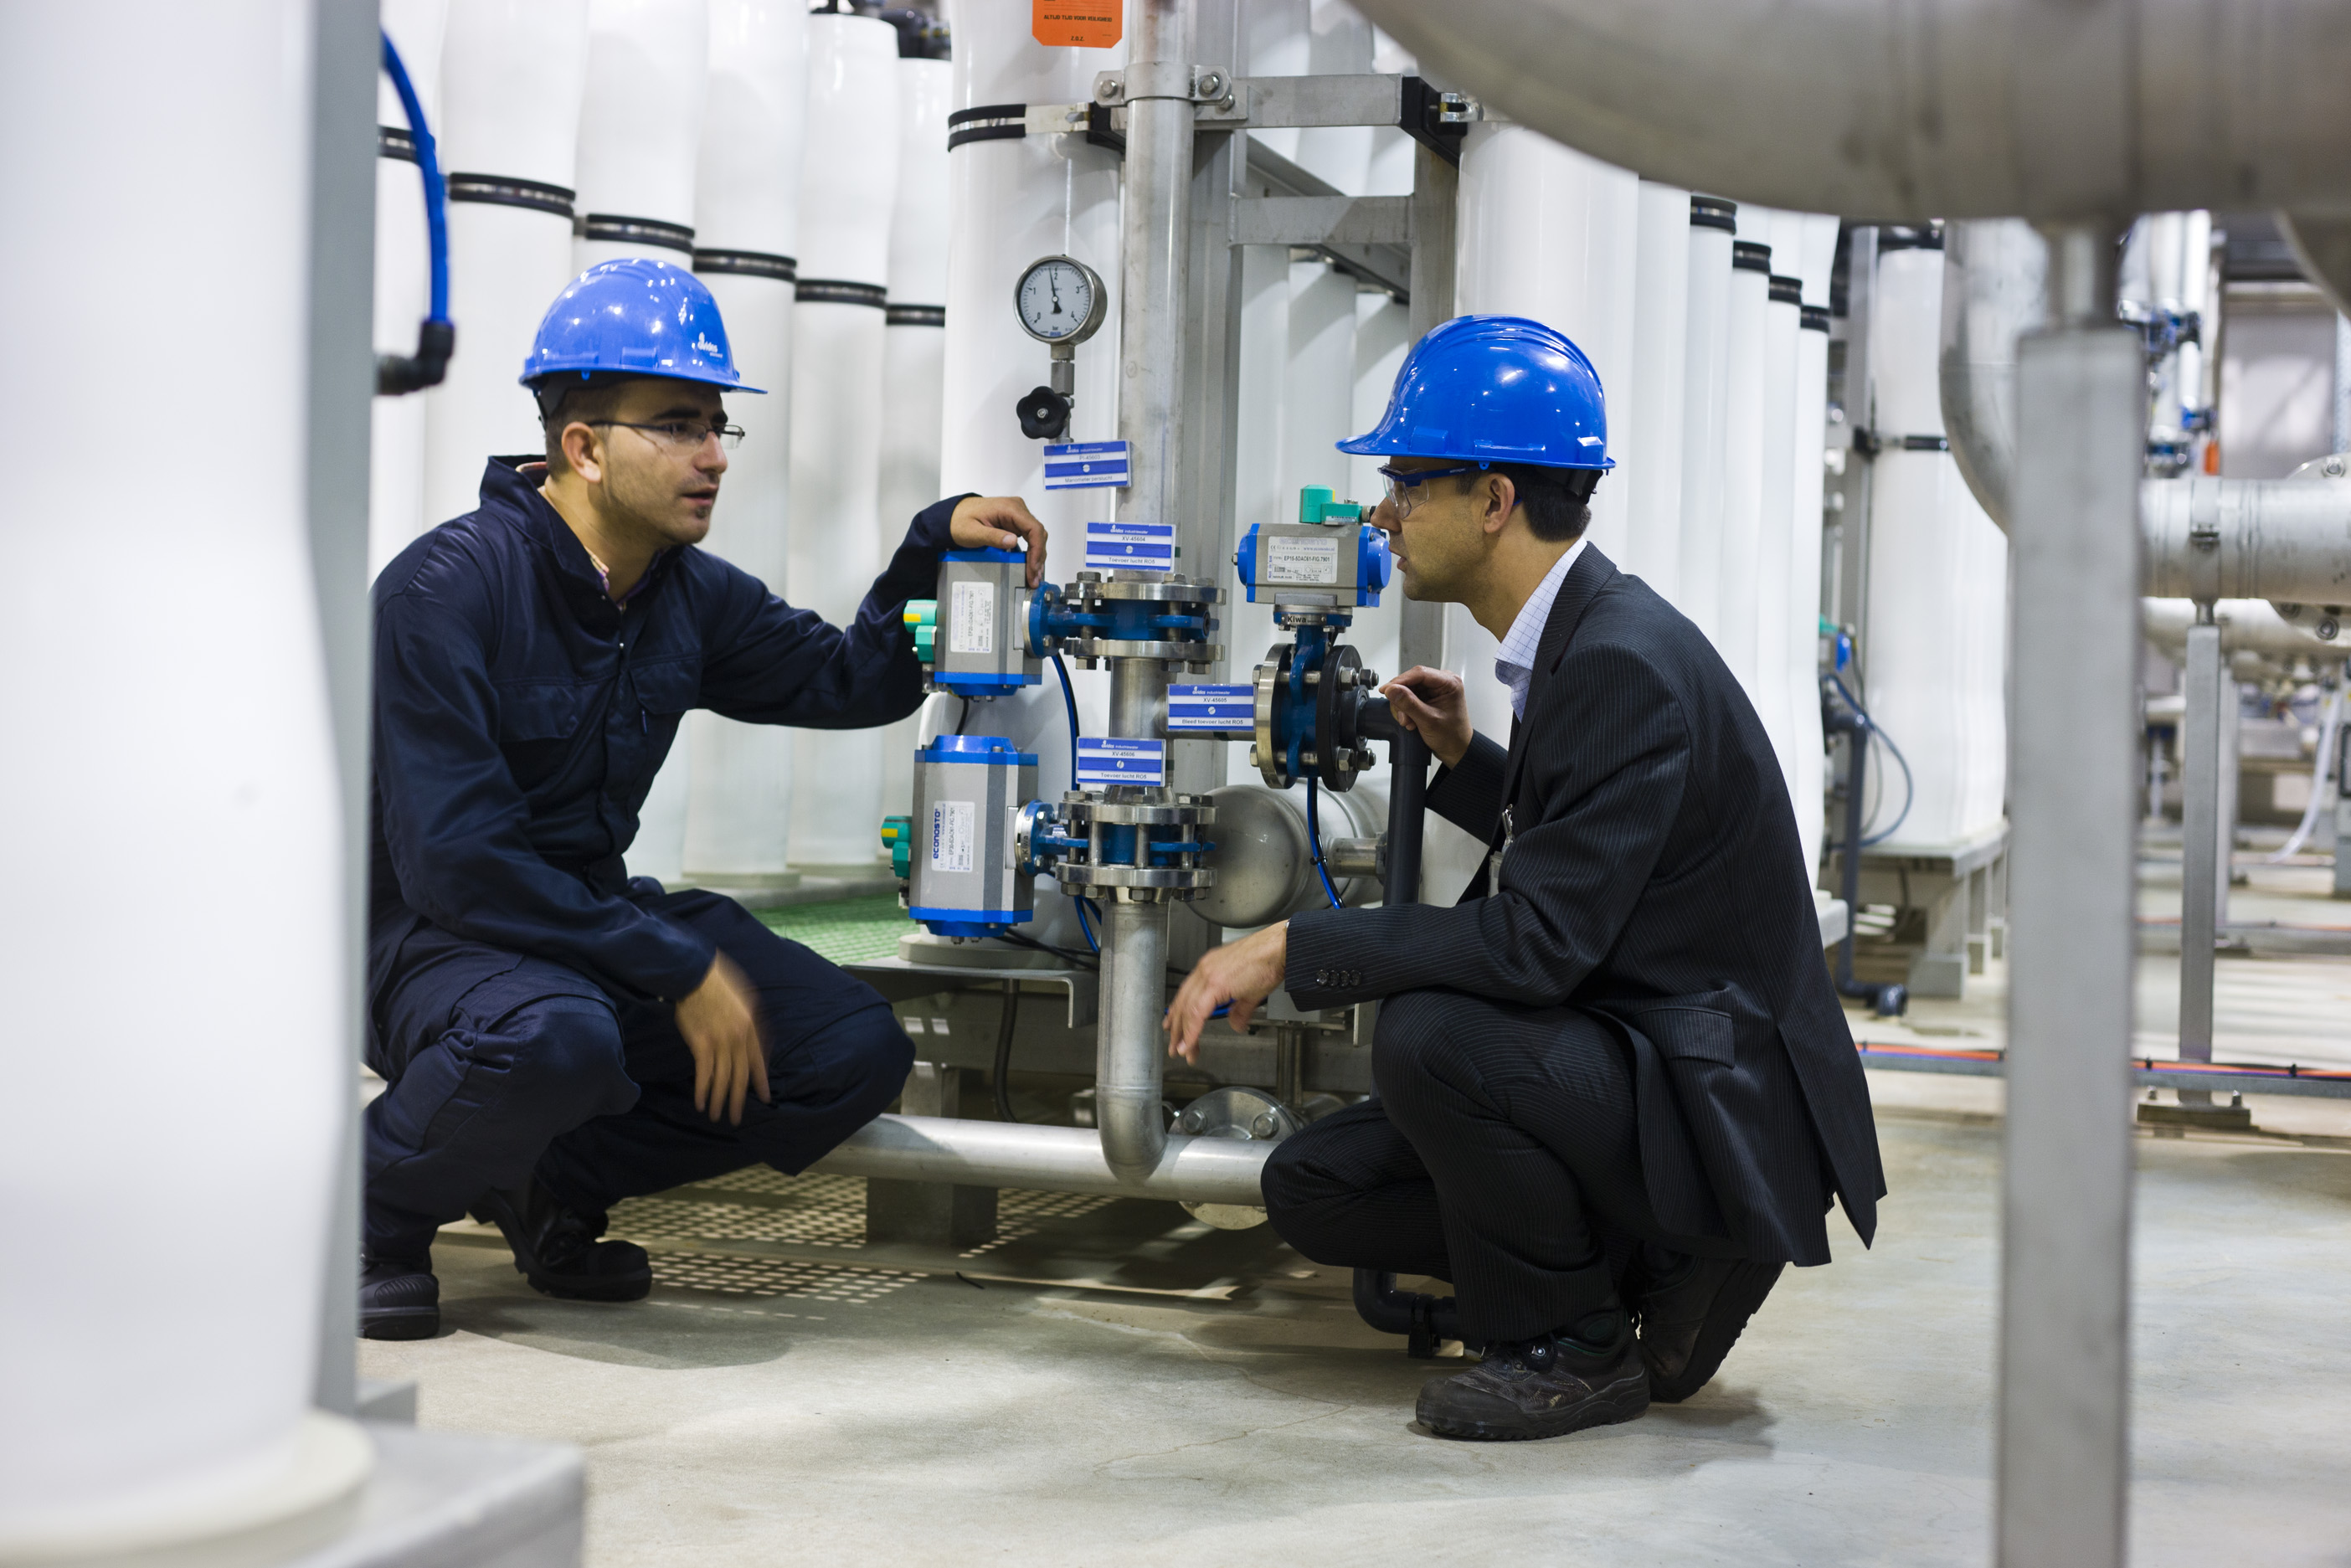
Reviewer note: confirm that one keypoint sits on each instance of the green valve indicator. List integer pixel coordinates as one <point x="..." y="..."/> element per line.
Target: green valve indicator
<point x="898" y="838"/>
<point x="922" y="618"/>
<point x="1316" y="506"/>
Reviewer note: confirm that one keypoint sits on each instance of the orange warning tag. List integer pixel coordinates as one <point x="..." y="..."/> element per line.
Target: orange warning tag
<point x="1075" y="24"/>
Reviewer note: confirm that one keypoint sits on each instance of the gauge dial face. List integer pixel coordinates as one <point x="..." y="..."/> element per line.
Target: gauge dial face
<point x="1059" y="301"/>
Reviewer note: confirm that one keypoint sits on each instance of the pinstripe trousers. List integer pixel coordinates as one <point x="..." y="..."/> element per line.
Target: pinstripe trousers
<point x="1500" y="1153"/>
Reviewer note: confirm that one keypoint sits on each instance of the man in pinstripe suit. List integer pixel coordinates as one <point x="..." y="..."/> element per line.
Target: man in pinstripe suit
<point x="1616" y="1087"/>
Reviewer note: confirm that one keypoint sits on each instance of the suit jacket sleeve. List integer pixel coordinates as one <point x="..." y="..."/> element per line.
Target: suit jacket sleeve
<point x="1608" y="759"/>
<point x="1469" y="796"/>
<point x="770" y="663"/>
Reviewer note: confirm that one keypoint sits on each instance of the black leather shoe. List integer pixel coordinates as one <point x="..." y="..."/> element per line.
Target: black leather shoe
<point x="557" y="1250"/>
<point x="1543" y="1387"/>
<point x="1692" y="1313"/>
<point x="398" y="1299"/>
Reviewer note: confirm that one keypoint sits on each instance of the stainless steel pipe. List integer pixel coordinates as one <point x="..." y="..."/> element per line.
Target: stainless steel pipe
<point x="1046" y="1159"/>
<point x="2282" y="540"/>
<point x="1130" y="1053"/>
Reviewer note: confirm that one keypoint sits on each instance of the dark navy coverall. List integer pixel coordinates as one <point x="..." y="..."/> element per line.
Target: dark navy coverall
<point x="521" y="986"/>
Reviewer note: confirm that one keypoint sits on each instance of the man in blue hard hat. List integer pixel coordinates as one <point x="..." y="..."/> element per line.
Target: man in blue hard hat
<point x="1616" y="1087"/>
<point x="556" y="1036"/>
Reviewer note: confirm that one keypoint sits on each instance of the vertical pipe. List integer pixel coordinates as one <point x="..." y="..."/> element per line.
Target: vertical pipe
<point x="2199" y="833"/>
<point x="2062" y="1468"/>
<point x="1408" y="799"/>
<point x="1154" y="267"/>
<point x="1436" y="190"/>
<point x="1856" y="487"/>
<point x="1706" y="405"/>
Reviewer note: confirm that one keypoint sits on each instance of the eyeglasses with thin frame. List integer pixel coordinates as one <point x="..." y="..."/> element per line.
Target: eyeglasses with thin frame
<point x="682" y="435"/>
<point x="1402" y="482"/>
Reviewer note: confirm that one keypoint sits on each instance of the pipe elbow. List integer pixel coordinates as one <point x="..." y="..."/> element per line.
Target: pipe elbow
<point x="1133" y="1127"/>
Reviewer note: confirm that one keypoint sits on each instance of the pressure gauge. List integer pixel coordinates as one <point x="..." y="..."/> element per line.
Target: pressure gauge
<point x="1061" y="301"/>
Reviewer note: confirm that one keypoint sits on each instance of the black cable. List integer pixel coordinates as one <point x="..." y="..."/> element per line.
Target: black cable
<point x="964" y="717"/>
<point x="1004" y="1051"/>
<point x="1078" y="960"/>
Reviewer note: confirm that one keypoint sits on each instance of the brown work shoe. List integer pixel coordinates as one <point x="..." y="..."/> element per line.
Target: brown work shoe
<point x="1692" y="1315"/>
<point x="1543" y="1387"/>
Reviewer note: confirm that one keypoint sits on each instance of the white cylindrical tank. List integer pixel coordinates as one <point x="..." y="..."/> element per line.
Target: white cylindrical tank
<point x="1706" y="403"/>
<point x="640" y="132"/>
<point x="914" y="351"/>
<point x="1649" y="472"/>
<point x="1012" y="201"/>
<point x="1383" y="337"/>
<point x="640" y="129"/>
<point x="1261" y="394"/>
<point x="1775" y="539"/>
<point x="1338" y="42"/>
<point x="1815" y="258"/>
<point x="171" y="720"/>
<point x="1392" y="150"/>
<point x="1747" y="326"/>
<point x="1548" y="233"/>
<point x="1916" y="635"/>
<point x="1278" y="40"/>
<point x="403" y="284"/>
<point x="849" y="181"/>
<point x="511" y="77"/>
<point x="746" y="217"/>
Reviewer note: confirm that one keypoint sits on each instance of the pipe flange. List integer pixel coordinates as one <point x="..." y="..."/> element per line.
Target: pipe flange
<point x="1197" y="655"/>
<point x="1272" y="764"/>
<point x="1336" y="698"/>
<point x="1172" y="879"/>
<point x="1172" y="590"/>
<point x="1138" y="813"/>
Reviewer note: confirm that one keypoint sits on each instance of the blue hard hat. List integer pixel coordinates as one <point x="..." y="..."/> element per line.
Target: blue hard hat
<point x="634" y="317"/>
<point x="1494" y="389"/>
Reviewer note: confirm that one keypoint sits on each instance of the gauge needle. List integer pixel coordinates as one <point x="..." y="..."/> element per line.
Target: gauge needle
<point x="1055" y="285"/>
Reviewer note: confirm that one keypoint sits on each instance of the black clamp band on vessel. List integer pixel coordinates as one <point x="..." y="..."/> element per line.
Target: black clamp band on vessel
<point x="988" y="122"/>
<point x="834" y="291"/>
<point x="626" y="230"/>
<point x="502" y="191"/>
<point x="748" y="264"/>
<point x="914" y="315"/>
<point x="395" y="141"/>
<point x="1714" y="213"/>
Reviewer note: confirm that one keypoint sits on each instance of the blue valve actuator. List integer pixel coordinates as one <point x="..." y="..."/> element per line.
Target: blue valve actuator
<point x="1319" y="551"/>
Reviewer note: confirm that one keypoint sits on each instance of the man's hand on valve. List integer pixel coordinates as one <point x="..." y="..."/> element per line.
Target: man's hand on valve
<point x="1243" y="973"/>
<point x="999" y="522"/>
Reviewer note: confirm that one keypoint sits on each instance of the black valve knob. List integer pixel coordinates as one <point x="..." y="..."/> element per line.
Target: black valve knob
<point x="1044" y="414"/>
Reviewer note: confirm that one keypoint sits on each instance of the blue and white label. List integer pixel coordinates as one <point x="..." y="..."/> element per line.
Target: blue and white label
<point x="1130" y="547"/>
<point x="1102" y="760"/>
<point x="1086" y="465"/>
<point x="1211" y="707"/>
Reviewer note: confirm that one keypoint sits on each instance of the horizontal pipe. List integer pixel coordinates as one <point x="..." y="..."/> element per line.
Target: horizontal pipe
<point x="2282" y="540"/>
<point x="1949" y="108"/>
<point x="2247" y="626"/>
<point x="1045" y="1159"/>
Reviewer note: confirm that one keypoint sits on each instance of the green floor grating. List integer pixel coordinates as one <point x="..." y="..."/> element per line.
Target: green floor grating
<point x="851" y="931"/>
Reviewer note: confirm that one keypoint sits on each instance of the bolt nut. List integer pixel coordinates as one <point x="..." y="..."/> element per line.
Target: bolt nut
<point x="1189" y="1121"/>
<point x="2334" y="468"/>
<point x="1209" y="85"/>
<point x="1265" y="1126"/>
<point x="1110" y="89"/>
<point x="2327" y="628"/>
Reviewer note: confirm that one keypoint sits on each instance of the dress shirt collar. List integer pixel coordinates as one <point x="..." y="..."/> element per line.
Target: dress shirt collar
<point x="1514" y="663"/>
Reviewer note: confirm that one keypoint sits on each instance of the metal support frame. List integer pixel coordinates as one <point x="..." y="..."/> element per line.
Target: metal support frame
<point x="2063" y="1466"/>
<point x="341" y="370"/>
<point x="2202" y="880"/>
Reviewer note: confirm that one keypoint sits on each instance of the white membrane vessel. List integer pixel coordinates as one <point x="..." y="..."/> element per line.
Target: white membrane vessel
<point x="511" y="77"/>
<point x="140" y="1423"/>
<point x="1742" y="447"/>
<point x="1649" y="466"/>
<point x="1915" y="652"/>
<point x="403" y="284"/>
<point x="1706" y="403"/>
<point x="1775" y="540"/>
<point x="913" y="345"/>
<point x="746" y="217"/>
<point x="1011" y="200"/>
<point x="1808" y="474"/>
<point x="640" y="128"/>
<point x="849" y="181"/>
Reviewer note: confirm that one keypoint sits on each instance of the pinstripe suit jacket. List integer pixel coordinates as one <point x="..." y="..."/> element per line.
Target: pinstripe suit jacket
<point x="1652" y="876"/>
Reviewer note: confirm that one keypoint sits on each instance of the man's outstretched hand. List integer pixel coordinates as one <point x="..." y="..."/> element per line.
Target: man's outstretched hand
<point x="1434" y="703"/>
<point x="1000" y="522"/>
<point x="1243" y="973"/>
<point x="720" y="1021"/>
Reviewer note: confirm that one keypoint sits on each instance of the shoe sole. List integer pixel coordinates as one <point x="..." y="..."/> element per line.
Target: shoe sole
<point x="1626" y="1399"/>
<point x="1742" y="1293"/>
<point x="629" y="1287"/>
<point x="405" y="1324"/>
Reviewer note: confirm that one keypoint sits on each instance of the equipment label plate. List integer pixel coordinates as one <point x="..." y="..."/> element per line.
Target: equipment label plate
<point x="1085" y="466"/>
<point x="953" y="830"/>
<point x="1211" y="707"/>
<point x="971" y="619"/>
<point x="1295" y="560"/>
<point x="1103" y="760"/>
<point x="1130" y="547"/>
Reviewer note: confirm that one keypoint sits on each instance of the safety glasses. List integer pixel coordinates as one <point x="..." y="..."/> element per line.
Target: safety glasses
<point x="1404" y="482"/>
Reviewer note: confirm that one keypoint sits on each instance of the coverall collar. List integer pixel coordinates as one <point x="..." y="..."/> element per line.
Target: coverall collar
<point x="510" y="486"/>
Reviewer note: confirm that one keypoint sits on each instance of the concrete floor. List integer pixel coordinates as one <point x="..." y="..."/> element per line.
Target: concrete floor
<point x="1112" y="1381"/>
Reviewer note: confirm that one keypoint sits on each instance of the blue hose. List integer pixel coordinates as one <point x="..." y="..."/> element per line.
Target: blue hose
<point x="436" y="339"/>
<point x="1069" y="702"/>
<point x="1314" y="837"/>
<point x="1909" y="786"/>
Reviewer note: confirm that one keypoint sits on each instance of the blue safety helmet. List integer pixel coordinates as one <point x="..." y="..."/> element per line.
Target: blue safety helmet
<point x="634" y="317"/>
<point x="1494" y="389"/>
